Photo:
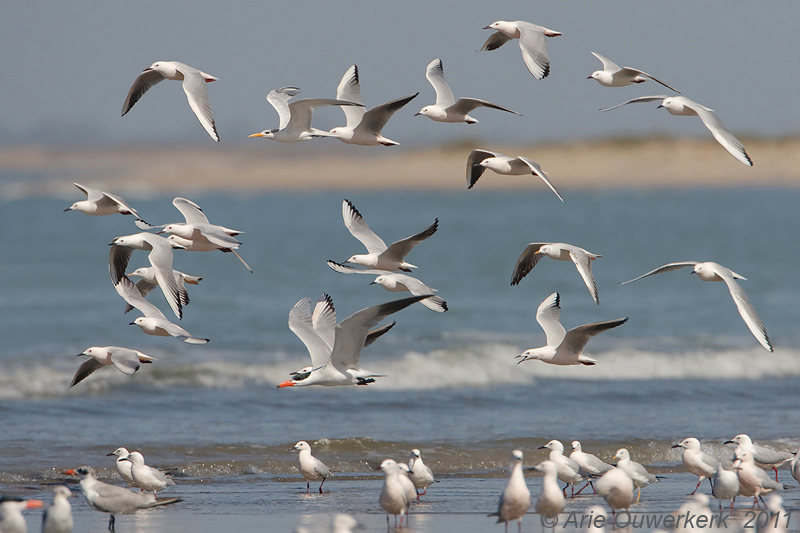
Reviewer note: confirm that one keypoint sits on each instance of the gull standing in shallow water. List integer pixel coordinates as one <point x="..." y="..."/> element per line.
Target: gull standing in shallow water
<point x="146" y="477"/>
<point x="532" y="42"/>
<point x="616" y="487"/>
<point x="394" y="499"/>
<point x="564" y="347"/>
<point x="194" y="85"/>
<point x="421" y="474"/>
<point x="378" y="255"/>
<point x="125" y="360"/>
<point x="479" y="160"/>
<point x="560" y="252"/>
<point x="123" y="466"/>
<point x="515" y="500"/>
<point x="446" y="108"/>
<point x="551" y="499"/>
<point x="342" y="368"/>
<point x="568" y="470"/>
<point x="295" y="117"/>
<point x="763" y="456"/>
<point x="364" y="127"/>
<point x="590" y="464"/>
<point x="697" y="461"/>
<point x="614" y="76"/>
<point x="680" y="105"/>
<point x="710" y="271"/>
<point x="310" y="467"/>
<point x="58" y="517"/>
<point x="638" y="473"/>
<point x="101" y="203"/>
<point x="753" y="479"/>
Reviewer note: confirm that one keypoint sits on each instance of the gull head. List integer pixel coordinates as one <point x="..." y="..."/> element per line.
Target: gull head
<point x="165" y="68"/>
<point x="389" y="466"/>
<point x="138" y="322"/>
<point x="81" y="472"/>
<point x="673" y="105"/>
<point x="622" y="454"/>
<point x="175" y="242"/>
<point x="267" y="134"/>
<point x="119" y="452"/>
<point x="73" y="207"/>
<point x="432" y="111"/>
<point x="554" y="445"/>
<point x="94" y="351"/>
<point x="548" y="467"/>
<point x="415" y="454"/>
<point x="603" y="77"/>
<point x="139" y="272"/>
<point x="385" y="281"/>
<point x="502" y="26"/>
<point x="533" y="354"/>
<point x="516" y="456"/>
<point x="300" y="446"/>
<point x="576" y="446"/>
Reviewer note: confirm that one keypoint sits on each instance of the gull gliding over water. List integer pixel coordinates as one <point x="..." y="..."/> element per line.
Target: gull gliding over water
<point x="532" y="42"/>
<point x="614" y="76"/>
<point x="125" y="360"/>
<point x="194" y="85"/>
<point x="479" y="160"/>
<point x="364" y="127"/>
<point x="101" y="203"/>
<point x="710" y="271"/>
<point x="148" y="282"/>
<point x="680" y="105"/>
<point x="446" y="108"/>
<point x="295" y="117"/>
<point x="560" y="252"/>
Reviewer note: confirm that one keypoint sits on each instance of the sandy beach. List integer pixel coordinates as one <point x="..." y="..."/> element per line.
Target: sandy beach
<point x="613" y="163"/>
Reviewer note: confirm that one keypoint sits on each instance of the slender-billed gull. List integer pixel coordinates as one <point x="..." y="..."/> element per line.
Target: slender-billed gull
<point x="57" y="518"/>
<point x="764" y="457"/>
<point x="125" y="360"/>
<point x="421" y="474"/>
<point x="342" y="368"/>
<point x="480" y="160"/>
<point x="680" y="105"/>
<point x="725" y="485"/>
<point x="295" y="118"/>
<point x="393" y="499"/>
<point x="591" y="464"/>
<point x="532" y="42"/>
<point x="380" y="256"/>
<point x="396" y="282"/>
<point x="559" y="251"/>
<point x="515" y="500"/>
<point x="148" y="282"/>
<point x="153" y="322"/>
<point x="364" y="127"/>
<point x="569" y="470"/>
<point x="408" y="485"/>
<point x="112" y="499"/>
<point x="311" y="468"/>
<point x="551" y="499"/>
<point x="101" y="203"/>
<point x="638" y="473"/>
<point x="697" y="461"/>
<point x="614" y="76"/>
<point x="194" y="85"/>
<point x="710" y="271"/>
<point x="616" y="487"/>
<point x="752" y="478"/>
<point x="146" y="477"/>
<point x="447" y="108"/>
<point x="123" y="466"/>
<point x="564" y="347"/>
<point x="11" y="518"/>
<point x="160" y="258"/>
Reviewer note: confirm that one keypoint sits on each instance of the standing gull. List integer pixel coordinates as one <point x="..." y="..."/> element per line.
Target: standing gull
<point x="309" y="466"/>
<point x="380" y="256"/>
<point x="763" y="456"/>
<point x="590" y="464"/>
<point x="614" y="76"/>
<point x="364" y="127"/>
<point x="295" y="117"/>
<point x="515" y="500"/>
<point x="697" y="461"/>
<point x="101" y="203"/>
<point x="446" y="108"/>
<point x="616" y="487"/>
<point x="753" y="479"/>
<point x="421" y="474"/>
<point x="194" y="85"/>
<point x="394" y="499"/>
<point x="551" y="499"/>
<point x="532" y="42"/>
<point x="564" y="347"/>
<point x="408" y="485"/>
<point x="58" y="517"/>
<point x="710" y="271"/>
<point x="569" y="471"/>
<point x="146" y="477"/>
<point x="123" y="466"/>
<point x="560" y="252"/>
<point x="725" y="485"/>
<point x="479" y="160"/>
<point x="638" y="473"/>
<point x="680" y="105"/>
<point x="125" y="360"/>
<point x="11" y="518"/>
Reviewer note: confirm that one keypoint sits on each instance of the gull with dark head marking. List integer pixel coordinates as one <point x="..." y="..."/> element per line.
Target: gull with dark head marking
<point x="380" y="256"/>
<point x="680" y="105"/>
<point x="125" y="360"/>
<point x="101" y="203"/>
<point x="447" y="108"/>
<point x="710" y="271"/>
<point x="564" y="347"/>
<point x="614" y="76"/>
<point x="11" y="518"/>
<point x="532" y="42"/>
<point x="560" y="252"/>
<point x="194" y="85"/>
<point x="295" y="117"/>
<point x="479" y="160"/>
<point x="515" y="500"/>
<point x="364" y="127"/>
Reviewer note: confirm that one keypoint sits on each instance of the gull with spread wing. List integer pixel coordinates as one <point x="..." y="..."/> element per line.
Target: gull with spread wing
<point x="532" y="42"/>
<point x="125" y="360"/>
<point x="479" y="160"/>
<point x="560" y="252"/>
<point x="614" y="76"/>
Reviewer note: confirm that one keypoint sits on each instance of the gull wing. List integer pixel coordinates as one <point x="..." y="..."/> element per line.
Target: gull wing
<point x="145" y="287"/>
<point x="192" y="213"/>
<point x="125" y="360"/>
<point x="717" y="129"/>
<point x="85" y="370"/>
<point x="161" y="259"/>
<point x="418" y="288"/>
<point x="608" y="65"/>
<point x="746" y="309"/>
<point x="584" y="266"/>
<point x="666" y="268"/>
<point x="141" y="85"/>
<point x="131" y="294"/>
<point x="465" y="105"/>
<point x="301" y="325"/>
<point x="349" y="90"/>
<point x="576" y="338"/>
<point x="495" y="41"/>
<point x="638" y="100"/>
<point x="217" y="235"/>
<point x="356" y="224"/>
<point x="377" y="333"/>
<point x="548" y="315"/>
<point x="323" y="319"/>
<point x="194" y="85"/>
<point x="399" y="249"/>
<point x="527" y="260"/>
<point x="114" y="199"/>
<point x="346" y="269"/>
<point x="474" y="169"/>
<point x="537" y="170"/>
<point x="435" y="75"/>
<point x="533" y="44"/>
<point x="633" y="72"/>
<point x="279" y="99"/>
<point x="93" y="195"/>
<point x="118" y="259"/>
<point x="302" y="110"/>
<point x="376" y="118"/>
<point x="352" y="332"/>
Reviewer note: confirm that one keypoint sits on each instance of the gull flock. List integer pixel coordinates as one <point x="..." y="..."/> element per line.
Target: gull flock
<point x="335" y="348"/>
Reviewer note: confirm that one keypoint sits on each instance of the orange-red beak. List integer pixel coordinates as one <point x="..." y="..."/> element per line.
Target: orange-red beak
<point x="287" y="383"/>
<point x="34" y="504"/>
<point x="69" y="472"/>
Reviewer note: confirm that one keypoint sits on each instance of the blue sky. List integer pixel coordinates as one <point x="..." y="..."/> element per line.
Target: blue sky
<point x="67" y="66"/>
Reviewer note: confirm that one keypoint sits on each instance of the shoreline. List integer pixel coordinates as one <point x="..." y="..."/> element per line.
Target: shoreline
<point x="581" y="165"/>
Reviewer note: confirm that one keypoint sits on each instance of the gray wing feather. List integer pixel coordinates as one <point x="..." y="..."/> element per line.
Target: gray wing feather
<point x="465" y="105"/>
<point x="526" y="261"/>
<point x="398" y="250"/>
<point x="638" y="100"/>
<point x="356" y="224"/>
<point x="495" y="41"/>
<point x="666" y="268"/>
<point x="85" y="370"/>
<point x="141" y="85"/>
<point x="474" y="169"/>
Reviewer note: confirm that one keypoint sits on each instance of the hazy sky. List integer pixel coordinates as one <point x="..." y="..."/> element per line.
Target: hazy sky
<point x="67" y="66"/>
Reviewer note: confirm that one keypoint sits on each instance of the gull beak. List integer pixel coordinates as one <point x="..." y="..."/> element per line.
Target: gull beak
<point x="291" y="449"/>
<point x="109" y="454"/>
<point x="68" y="209"/>
<point x="660" y="106"/>
<point x="372" y="283"/>
<point x="80" y="354"/>
<point x="676" y="446"/>
<point x="416" y="114"/>
<point x="728" y="442"/>
<point x="588" y="77"/>
<point x="287" y="383"/>
<point x="487" y="28"/>
<point x="542" y="448"/>
<point x="256" y="135"/>
<point x="69" y="472"/>
<point x="159" y="232"/>
<point x="132" y="324"/>
<point x="34" y="504"/>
